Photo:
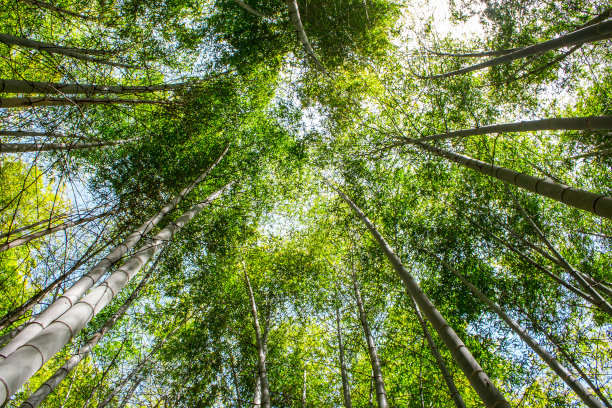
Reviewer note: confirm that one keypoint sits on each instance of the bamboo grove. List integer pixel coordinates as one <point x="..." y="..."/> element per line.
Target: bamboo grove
<point x="322" y="203"/>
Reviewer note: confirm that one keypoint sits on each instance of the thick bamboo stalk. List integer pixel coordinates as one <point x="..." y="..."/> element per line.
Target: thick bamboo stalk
<point x="23" y="87"/>
<point x="61" y="373"/>
<point x="585" y="200"/>
<point x="346" y="391"/>
<point x="585" y="35"/>
<point x="379" y="383"/>
<point x="581" y="123"/>
<point x="294" y="14"/>
<point x="22" y="364"/>
<point x="15" y="314"/>
<point x="452" y="388"/>
<point x="54" y="49"/>
<point x="76" y="291"/>
<point x="479" y="380"/>
<point x="24" y="102"/>
<point x="260" y="346"/>
<point x="48" y="147"/>
<point x="587" y="398"/>
<point x="69" y="224"/>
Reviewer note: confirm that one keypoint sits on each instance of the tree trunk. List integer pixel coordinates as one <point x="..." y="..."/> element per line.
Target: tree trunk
<point x="585" y="35"/>
<point x="48" y="147"/>
<point x="294" y="13"/>
<point x="18" y="367"/>
<point x="483" y="386"/>
<point x="452" y="388"/>
<point x="76" y="292"/>
<point x="257" y="391"/>
<point x="584" y="200"/>
<point x="54" y="49"/>
<point x="68" y="224"/>
<point x="249" y="9"/>
<point x="23" y="87"/>
<point x="15" y="314"/>
<point x="261" y="347"/>
<point x="53" y="8"/>
<point x="304" y="390"/>
<point x="587" y="398"/>
<point x="48" y="101"/>
<point x="379" y="383"/>
<point x="346" y="391"/>
<point x="51" y="384"/>
<point x="581" y="123"/>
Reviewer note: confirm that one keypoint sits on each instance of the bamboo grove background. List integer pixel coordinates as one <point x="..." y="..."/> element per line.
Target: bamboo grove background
<point x="305" y="204"/>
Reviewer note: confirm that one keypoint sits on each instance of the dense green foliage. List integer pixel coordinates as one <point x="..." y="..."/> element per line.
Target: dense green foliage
<point x="290" y="122"/>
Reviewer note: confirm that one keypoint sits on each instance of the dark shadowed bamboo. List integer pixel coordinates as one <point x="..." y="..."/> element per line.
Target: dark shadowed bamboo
<point x="379" y="383"/>
<point x="63" y="226"/>
<point x="452" y="388"/>
<point x="24" y="102"/>
<point x="72" y="295"/>
<point x="22" y="87"/>
<point x="585" y="35"/>
<point x="54" y="147"/>
<point x="479" y="380"/>
<point x="260" y="346"/>
<point x="346" y="391"/>
<point x="54" y="49"/>
<point x="249" y="9"/>
<point x="587" y="398"/>
<point x="585" y="200"/>
<point x="47" y="6"/>
<point x="581" y="123"/>
<point x="61" y="373"/>
<point x="15" y="314"/>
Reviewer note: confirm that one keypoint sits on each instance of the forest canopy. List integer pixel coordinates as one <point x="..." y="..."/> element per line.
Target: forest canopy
<point x="315" y="203"/>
